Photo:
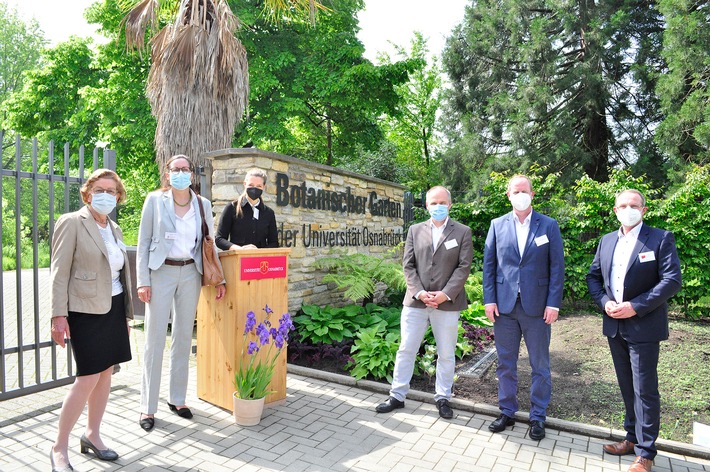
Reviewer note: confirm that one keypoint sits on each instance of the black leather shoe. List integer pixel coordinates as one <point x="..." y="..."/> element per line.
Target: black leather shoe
<point x="537" y="430"/>
<point x="147" y="423"/>
<point x="181" y="412"/>
<point x="103" y="454"/>
<point x="445" y="410"/>
<point x="388" y="405"/>
<point x="501" y="423"/>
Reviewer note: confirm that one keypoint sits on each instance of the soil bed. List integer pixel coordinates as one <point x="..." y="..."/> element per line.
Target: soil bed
<point x="584" y="386"/>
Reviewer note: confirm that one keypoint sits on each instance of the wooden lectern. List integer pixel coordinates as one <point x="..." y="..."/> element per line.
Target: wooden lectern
<point x="255" y="278"/>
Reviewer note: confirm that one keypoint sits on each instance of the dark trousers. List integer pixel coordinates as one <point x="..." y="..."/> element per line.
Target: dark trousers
<point x="636" y="366"/>
<point x="509" y="329"/>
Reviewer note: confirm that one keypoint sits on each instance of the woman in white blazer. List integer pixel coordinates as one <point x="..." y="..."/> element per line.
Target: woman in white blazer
<point x="169" y="273"/>
<point x="91" y="304"/>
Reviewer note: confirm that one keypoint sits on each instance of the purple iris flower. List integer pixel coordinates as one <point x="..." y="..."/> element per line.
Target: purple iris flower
<point x="263" y="333"/>
<point x="279" y="340"/>
<point x="252" y="348"/>
<point x="251" y="322"/>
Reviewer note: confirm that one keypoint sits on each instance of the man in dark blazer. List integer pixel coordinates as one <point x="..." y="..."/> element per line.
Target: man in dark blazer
<point x="437" y="263"/>
<point x="634" y="273"/>
<point x="523" y="281"/>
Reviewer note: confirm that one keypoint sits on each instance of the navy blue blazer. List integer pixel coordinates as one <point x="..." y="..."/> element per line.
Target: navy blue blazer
<point x="652" y="277"/>
<point x="539" y="274"/>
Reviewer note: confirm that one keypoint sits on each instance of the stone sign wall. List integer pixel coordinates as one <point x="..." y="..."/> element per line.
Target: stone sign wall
<point x="320" y="211"/>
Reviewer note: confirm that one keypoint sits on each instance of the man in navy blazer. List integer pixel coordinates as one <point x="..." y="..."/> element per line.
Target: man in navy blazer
<point x="634" y="273"/>
<point x="523" y="281"/>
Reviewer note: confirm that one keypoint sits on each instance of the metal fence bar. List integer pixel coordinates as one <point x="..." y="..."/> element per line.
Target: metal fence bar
<point x="48" y="371"/>
<point x="3" y="367"/>
<point x="18" y="259"/>
<point x="35" y="263"/>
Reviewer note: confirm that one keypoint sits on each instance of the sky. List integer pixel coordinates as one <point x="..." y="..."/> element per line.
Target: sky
<point x="381" y="21"/>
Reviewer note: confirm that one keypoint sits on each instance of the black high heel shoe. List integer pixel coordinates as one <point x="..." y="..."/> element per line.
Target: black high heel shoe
<point x="104" y="455"/>
<point x="66" y="468"/>
<point x="181" y="412"/>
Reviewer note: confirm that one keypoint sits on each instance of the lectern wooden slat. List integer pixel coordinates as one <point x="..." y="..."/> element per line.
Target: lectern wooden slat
<point x="220" y="326"/>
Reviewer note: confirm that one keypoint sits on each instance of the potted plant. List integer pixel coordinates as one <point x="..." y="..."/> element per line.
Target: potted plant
<point x="253" y="376"/>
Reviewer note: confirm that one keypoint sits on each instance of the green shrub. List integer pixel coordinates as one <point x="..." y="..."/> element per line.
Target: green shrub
<point x="357" y="274"/>
<point x="374" y="353"/>
<point x="322" y="325"/>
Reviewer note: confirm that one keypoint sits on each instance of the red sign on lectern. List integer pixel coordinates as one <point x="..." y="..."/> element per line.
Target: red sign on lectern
<point x="267" y="267"/>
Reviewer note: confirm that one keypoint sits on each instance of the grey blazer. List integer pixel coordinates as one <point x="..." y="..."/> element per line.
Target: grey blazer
<point x="157" y="219"/>
<point x="80" y="270"/>
<point x="446" y="269"/>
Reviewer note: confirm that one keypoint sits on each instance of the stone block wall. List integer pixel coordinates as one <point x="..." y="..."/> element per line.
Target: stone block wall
<point x="320" y="211"/>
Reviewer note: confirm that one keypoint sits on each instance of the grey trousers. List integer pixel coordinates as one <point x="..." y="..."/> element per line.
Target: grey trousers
<point x="176" y="290"/>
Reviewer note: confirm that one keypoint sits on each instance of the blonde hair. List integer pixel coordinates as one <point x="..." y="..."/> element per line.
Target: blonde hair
<point x="252" y="173"/>
<point x="98" y="174"/>
<point x="519" y="176"/>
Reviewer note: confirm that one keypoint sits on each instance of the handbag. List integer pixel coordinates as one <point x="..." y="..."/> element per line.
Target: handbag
<point x="212" y="273"/>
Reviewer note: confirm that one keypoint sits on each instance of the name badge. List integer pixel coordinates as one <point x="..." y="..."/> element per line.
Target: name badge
<point x="169" y="235"/>
<point x="451" y="243"/>
<point x="540" y="240"/>
<point x="647" y="256"/>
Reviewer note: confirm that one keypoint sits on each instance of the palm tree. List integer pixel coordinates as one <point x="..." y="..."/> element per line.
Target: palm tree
<point x="198" y="85"/>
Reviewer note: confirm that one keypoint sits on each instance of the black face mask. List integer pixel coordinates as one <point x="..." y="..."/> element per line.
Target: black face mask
<point x="254" y="192"/>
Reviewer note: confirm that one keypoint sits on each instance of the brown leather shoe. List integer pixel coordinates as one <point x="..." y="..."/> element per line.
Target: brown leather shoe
<point x="619" y="449"/>
<point x="641" y="464"/>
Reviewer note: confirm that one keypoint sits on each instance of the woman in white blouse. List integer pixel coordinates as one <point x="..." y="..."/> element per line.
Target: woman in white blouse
<point x="169" y="273"/>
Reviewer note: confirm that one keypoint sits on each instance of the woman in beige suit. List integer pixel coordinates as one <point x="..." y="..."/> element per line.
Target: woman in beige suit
<point x="91" y="305"/>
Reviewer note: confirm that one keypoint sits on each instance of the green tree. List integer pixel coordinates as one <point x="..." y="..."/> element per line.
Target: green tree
<point x="683" y="90"/>
<point x="53" y="100"/>
<point x="566" y="85"/>
<point x="413" y="129"/>
<point x="20" y="47"/>
<point x="313" y="95"/>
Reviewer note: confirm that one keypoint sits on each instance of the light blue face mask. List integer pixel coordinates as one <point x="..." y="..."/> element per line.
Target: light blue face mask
<point x="438" y="212"/>
<point x="180" y="180"/>
<point x="103" y="203"/>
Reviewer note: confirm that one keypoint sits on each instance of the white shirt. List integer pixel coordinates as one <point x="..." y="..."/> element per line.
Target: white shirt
<point x="437" y="232"/>
<point x="115" y="258"/>
<point x="186" y="229"/>
<point x="522" y="230"/>
<point x="620" y="262"/>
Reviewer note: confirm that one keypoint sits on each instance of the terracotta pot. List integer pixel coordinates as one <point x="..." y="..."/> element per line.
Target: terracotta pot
<point x="247" y="412"/>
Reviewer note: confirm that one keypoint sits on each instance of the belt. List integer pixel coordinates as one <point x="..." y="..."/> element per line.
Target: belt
<point x="173" y="262"/>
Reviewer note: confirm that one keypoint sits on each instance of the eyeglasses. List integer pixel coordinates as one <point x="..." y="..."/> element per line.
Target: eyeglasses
<point x="111" y="192"/>
<point x="184" y="170"/>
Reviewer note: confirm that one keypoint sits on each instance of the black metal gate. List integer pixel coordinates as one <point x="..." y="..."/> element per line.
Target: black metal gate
<point x="33" y="190"/>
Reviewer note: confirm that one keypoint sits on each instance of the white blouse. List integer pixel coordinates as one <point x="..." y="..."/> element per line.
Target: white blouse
<point x="115" y="258"/>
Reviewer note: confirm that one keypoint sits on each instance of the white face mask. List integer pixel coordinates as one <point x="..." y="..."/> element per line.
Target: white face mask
<point x="521" y="201"/>
<point x="628" y="216"/>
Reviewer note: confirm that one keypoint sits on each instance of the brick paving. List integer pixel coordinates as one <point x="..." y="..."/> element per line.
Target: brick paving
<point x="327" y="423"/>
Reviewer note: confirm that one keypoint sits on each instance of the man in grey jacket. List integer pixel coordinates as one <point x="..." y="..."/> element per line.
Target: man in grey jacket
<point x="437" y="263"/>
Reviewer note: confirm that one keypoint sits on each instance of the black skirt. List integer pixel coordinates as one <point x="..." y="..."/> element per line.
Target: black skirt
<point x="100" y="341"/>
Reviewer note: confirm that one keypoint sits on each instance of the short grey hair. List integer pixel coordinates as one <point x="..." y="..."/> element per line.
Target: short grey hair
<point x="438" y="187"/>
<point x="630" y="190"/>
